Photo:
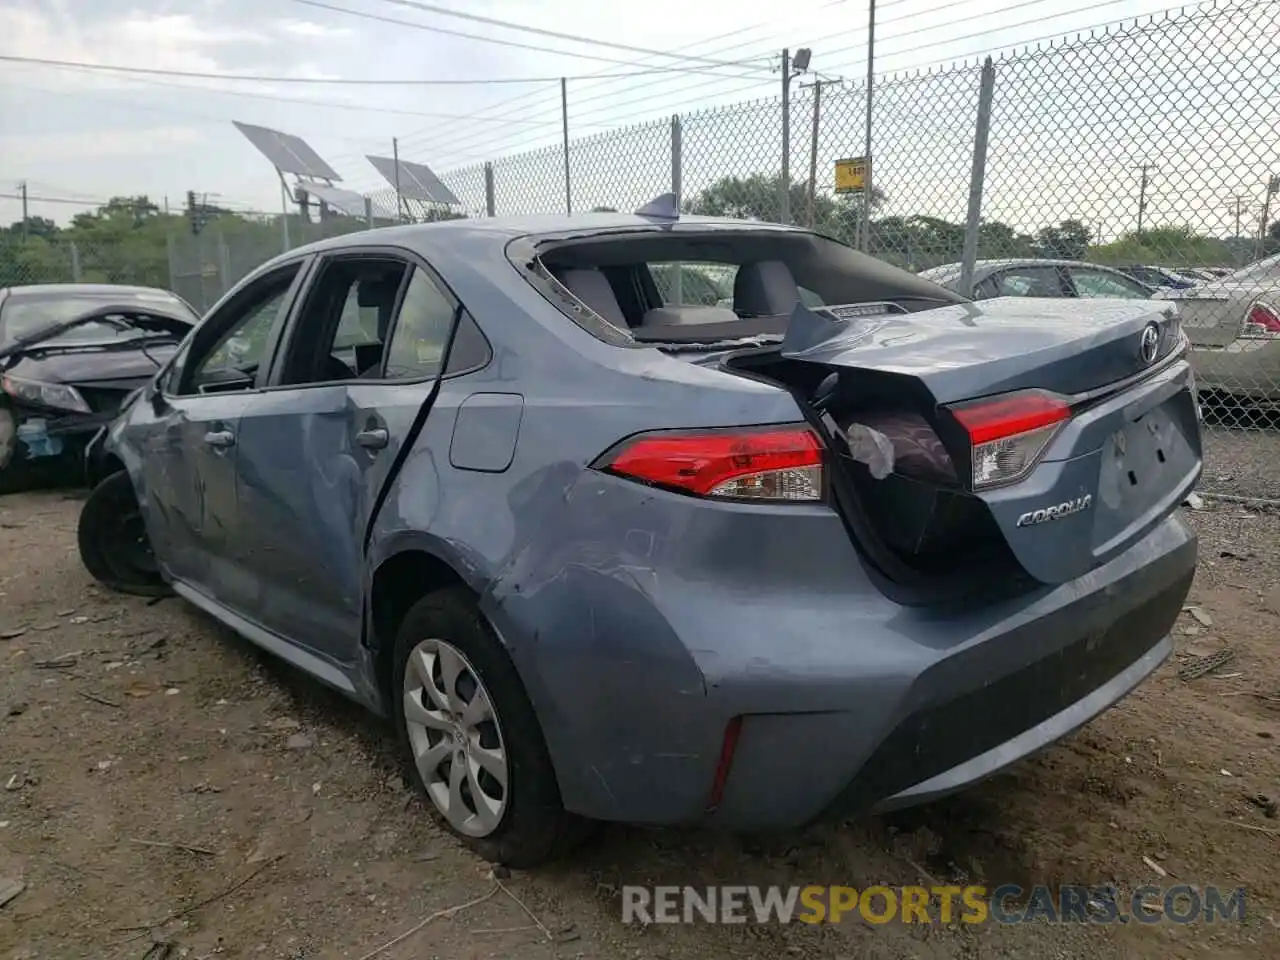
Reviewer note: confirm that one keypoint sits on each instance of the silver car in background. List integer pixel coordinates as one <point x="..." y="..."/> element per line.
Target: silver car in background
<point x="1233" y="322"/>
<point x="1234" y="327"/>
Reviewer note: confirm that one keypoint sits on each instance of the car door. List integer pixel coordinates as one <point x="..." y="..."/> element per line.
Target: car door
<point x="318" y="444"/>
<point x="1093" y="283"/>
<point x="189" y="433"/>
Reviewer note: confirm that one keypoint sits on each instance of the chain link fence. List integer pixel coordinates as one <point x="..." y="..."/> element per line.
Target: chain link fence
<point x="1138" y="160"/>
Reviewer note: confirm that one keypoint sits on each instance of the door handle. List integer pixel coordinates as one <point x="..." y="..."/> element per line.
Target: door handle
<point x="220" y="438"/>
<point x="375" y="438"/>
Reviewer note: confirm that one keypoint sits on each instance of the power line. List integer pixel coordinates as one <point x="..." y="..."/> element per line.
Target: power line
<point x="68" y="200"/>
<point x="478" y="148"/>
<point x="539" y="31"/>
<point x="274" y="98"/>
<point x="365" y="15"/>
<point x="336" y="81"/>
<point x="487" y="113"/>
<point x="909" y="33"/>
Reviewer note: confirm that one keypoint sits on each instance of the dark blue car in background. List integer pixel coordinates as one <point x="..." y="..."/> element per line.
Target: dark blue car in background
<point x="849" y="543"/>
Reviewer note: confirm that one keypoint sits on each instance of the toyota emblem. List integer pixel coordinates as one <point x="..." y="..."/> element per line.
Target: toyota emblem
<point x="1149" y="346"/>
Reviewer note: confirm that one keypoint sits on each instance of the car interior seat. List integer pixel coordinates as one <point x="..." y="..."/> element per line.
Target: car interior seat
<point x="380" y="294"/>
<point x="592" y="287"/>
<point x="765" y="288"/>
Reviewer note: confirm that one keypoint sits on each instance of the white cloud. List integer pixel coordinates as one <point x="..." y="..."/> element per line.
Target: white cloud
<point x="36" y="149"/>
<point x="309" y="28"/>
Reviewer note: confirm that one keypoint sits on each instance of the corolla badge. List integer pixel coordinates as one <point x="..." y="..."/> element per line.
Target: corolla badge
<point x="1056" y="512"/>
<point x="1149" y="345"/>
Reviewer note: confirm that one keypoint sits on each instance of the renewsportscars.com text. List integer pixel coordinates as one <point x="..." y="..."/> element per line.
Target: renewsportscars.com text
<point x="942" y="904"/>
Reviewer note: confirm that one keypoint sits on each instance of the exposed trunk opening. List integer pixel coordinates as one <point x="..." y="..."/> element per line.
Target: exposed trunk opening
<point x="931" y="541"/>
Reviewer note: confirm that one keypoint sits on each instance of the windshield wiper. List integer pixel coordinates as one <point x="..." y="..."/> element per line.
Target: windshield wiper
<point x="144" y="319"/>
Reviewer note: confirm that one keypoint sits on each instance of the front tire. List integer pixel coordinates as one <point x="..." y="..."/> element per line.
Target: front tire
<point x="113" y="540"/>
<point x="471" y="742"/>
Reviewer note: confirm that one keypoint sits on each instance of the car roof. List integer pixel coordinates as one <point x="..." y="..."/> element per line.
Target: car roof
<point x="457" y="237"/>
<point x="44" y="289"/>
<point x="984" y="268"/>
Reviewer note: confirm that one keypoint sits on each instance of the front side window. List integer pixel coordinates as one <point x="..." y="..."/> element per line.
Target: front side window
<point x="245" y="324"/>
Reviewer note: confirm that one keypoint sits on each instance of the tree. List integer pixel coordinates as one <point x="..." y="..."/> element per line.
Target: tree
<point x="1273" y="231"/>
<point x="34" y="227"/>
<point x="1069" y="240"/>
<point x="757" y="197"/>
<point x="604" y="209"/>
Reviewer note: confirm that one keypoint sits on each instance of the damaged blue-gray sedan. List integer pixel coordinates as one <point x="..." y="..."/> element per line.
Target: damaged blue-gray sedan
<point x="847" y="543"/>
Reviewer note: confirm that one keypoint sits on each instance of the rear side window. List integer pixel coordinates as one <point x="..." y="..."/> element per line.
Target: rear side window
<point x="1097" y="283"/>
<point x="1028" y="282"/>
<point x="421" y="334"/>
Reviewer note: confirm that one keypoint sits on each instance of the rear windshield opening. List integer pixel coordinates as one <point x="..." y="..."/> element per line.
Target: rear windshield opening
<point x="672" y="286"/>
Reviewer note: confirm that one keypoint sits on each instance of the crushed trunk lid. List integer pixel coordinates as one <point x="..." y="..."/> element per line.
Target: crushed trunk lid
<point x="1119" y="454"/>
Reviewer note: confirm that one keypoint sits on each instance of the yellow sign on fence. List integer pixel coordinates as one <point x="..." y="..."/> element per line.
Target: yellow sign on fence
<point x="851" y="175"/>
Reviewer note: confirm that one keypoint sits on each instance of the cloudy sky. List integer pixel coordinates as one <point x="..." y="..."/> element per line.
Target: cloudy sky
<point x="73" y="135"/>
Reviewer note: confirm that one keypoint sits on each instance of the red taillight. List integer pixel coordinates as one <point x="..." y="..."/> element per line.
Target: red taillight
<point x="1008" y="434"/>
<point x="1262" y="320"/>
<point x="743" y="463"/>
<point x="987" y="420"/>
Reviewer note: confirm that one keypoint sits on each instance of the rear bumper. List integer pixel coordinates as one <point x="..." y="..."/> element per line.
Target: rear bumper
<point x="638" y="658"/>
<point x="1245" y="368"/>
<point x="974" y="709"/>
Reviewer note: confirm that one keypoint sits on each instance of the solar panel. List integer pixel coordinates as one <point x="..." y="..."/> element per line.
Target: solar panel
<point x="344" y="201"/>
<point x="287" y="153"/>
<point x="417" y="182"/>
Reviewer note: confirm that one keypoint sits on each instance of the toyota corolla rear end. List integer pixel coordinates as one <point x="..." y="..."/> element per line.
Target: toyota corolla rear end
<point x="963" y="546"/>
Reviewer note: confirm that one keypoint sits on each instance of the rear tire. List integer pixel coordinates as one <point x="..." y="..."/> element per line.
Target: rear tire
<point x="113" y="540"/>
<point x="480" y="711"/>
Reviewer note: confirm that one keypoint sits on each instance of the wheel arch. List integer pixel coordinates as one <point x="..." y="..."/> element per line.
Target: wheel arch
<point x="402" y="569"/>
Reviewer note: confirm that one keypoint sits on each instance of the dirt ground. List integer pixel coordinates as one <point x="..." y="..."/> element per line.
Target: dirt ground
<point x="161" y="782"/>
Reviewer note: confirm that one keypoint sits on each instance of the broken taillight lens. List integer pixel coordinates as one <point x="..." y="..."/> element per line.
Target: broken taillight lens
<point x="1262" y="322"/>
<point x="774" y="463"/>
<point x="1008" y="434"/>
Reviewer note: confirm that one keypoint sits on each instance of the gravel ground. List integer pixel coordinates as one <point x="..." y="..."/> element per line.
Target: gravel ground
<point x="1241" y="462"/>
<point x="161" y="782"/>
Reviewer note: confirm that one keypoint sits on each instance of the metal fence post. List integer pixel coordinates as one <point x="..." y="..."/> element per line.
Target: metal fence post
<point x="784" y="181"/>
<point x="75" y="262"/>
<point x="489" y="203"/>
<point x="564" y="120"/>
<point x="224" y="266"/>
<point x="677" y="174"/>
<point x="172" y="255"/>
<point x="973" y="224"/>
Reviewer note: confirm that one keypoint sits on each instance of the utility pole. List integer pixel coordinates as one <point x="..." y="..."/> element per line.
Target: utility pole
<point x="1142" y="193"/>
<point x="22" y="188"/>
<point x="1238" y="204"/>
<point x="784" y="185"/>
<point x="1273" y="187"/>
<point x="813" y="153"/>
<point x="395" y="159"/>
<point x="790" y="67"/>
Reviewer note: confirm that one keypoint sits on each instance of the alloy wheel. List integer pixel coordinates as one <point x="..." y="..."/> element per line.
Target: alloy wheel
<point x="456" y="738"/>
